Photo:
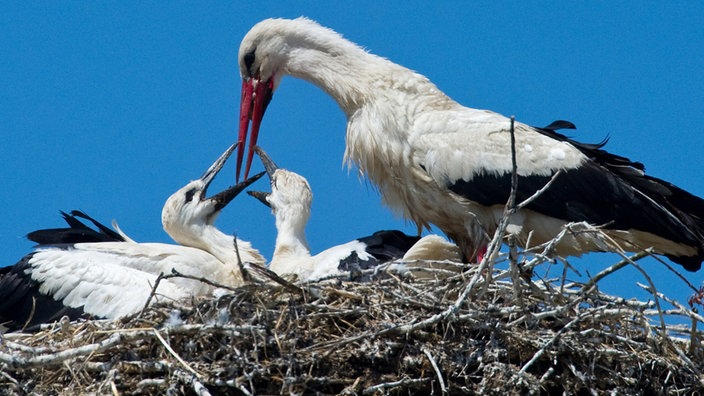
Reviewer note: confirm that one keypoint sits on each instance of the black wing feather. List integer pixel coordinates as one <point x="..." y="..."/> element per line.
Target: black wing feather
<point x="76" y="233"/>
<point x="608" y="190"/>
<point x="21" y="303"/>
<point x="383" y="246"/>
<point x="387" y="245"/>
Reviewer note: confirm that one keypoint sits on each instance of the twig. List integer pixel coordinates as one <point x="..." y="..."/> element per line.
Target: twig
<point x="514" y="271"/>
<point x="31" y="314"/>
<point x="8" y="378"/>
<point x="443" y="388"/>
<point x="113" y="388"/>
<point x="393" y="384"/>
<point x="194" y="381"/>
<point x="511" y="204"/>
<point x="242" y="389"/>
<point x="677" y="273"/>
<point x="118" y="337"/>
<point x="174" y="354"/>
<point x="266" y="273"/>
<point x="24" y="348"/>
<point x="613" y="268"/>
<point x="245" y="275"/>
<point x="14" y="361"/>
<point x="150" y="383"/>
<point x="151" y="294"/>
<point x="552" y="340"/>
<point x="663" y="327"/>
<point x="539" y="192"/>
<point x="495" y="243"/>
<point x="175" y="274"/>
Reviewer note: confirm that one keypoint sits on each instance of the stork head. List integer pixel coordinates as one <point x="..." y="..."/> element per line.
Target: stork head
<point x="271" y="49"/>
<point x="261" y="56"/>
<point x="188" y="211"/>
<point x="290" y="197"/>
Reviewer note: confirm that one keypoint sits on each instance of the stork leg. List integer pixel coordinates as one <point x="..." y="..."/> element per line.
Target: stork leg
<point x="480" y="254"/>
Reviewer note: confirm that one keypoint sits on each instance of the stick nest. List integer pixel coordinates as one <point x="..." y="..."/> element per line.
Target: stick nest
<point x="485" y="330"/>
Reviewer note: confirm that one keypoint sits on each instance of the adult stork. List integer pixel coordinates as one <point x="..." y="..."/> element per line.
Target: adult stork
<point x="438" y="162"/>
<point x="290" y="201"/>
<point x="79" y="270"/>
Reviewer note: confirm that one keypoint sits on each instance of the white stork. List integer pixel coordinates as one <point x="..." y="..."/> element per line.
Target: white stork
<point x="438" y="162"/>
<point x="290" y="201"/>
<point x="102" y="273"/>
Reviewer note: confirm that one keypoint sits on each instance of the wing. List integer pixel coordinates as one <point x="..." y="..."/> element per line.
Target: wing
<point x="158" y="258"/>
<point x="22" y="306"/>
<point x="464" y="143"/>
<point x="361" y="254"/>
<point x="103" y="283"/>
<point x="77" y="232"/>
<point x="108" y="280"/>
<point x="595" y="186"/>
<point x="387" y="245"/>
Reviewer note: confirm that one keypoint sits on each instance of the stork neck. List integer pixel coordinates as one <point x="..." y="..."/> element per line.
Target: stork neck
<point x="222" y="246"/>
<point x="216" y="243"/>
<point x="290" y="242"/>
<point x="352" y="76"/>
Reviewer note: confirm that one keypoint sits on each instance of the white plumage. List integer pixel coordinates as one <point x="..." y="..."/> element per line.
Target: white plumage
<point x="110" y="279"/>
<point x="438" y="162"/>
<point x="290" y="200"/>
<point x="79" y="270"/>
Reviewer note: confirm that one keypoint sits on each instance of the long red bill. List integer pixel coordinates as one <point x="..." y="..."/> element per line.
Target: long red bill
<point x="245" y="110"/>
<point x="256" y="96"/>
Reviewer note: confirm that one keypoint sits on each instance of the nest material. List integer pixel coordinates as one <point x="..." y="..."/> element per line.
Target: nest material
<point x="485" y="331"/>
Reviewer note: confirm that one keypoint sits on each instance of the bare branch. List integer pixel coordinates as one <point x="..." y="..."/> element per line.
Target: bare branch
<point x="613" y="268"/>
<point x="551" y="341"/>
<point x="443" y="388"/>
<point x="394" y="384"/>
<point x="541" y="191"/>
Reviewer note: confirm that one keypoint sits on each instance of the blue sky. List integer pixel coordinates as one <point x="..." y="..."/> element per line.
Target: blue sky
<point x="109" y="107"/>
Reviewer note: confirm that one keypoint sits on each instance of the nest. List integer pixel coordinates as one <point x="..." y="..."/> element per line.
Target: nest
<point x="434" y="330"/>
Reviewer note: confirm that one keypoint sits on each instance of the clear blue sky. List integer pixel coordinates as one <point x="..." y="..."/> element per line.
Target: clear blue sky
<point x="109" y="107"/>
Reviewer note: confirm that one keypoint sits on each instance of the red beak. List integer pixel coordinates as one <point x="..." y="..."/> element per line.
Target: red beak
<point x="256" y="95"/>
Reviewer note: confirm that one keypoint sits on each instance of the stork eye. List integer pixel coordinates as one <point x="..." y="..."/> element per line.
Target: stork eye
<point x="189" y="194"/>
<point x="249" y="61"/>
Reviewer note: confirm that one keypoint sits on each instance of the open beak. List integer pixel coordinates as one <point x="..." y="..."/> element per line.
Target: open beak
<point x="223" y="198"/>
<point x="261" y="196"/>
<point x="210" y="174"/>
<point x="256" y="95"/>
<point x="270" y="168"/>
<point x="269" y="165"/>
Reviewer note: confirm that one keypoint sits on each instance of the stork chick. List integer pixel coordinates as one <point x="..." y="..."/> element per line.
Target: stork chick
<point x="290" y="200"/>
<point x="78" y="270"/>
